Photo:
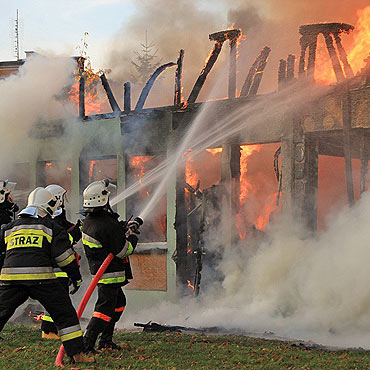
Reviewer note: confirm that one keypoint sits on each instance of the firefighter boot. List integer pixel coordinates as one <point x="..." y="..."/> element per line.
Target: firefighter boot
<point x="81" y="357"/>
<point x="106" y="341"/>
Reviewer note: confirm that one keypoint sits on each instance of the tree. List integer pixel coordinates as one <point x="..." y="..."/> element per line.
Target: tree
<point x="145" y="63"/>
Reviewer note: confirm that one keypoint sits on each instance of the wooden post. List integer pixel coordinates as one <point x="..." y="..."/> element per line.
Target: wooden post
<point x="364" y="162"/>
<point x="346" y="113"/>
<point x="181" y="231"/>
<point x="232" y="69"/>
<point x="112" y="100"/>
<point x="127" y="97"/>
<point x="282" y="73"/>
<point x="311" y="183"/>
<point x="178" y="78"/>
<point x="290" y="67"/>
<point x="312" y="46"/>
<point x="343" y="56"/>
<point x="333" y="56"/>
<point x="81" y="91"/>
<point x="204" y="73"/>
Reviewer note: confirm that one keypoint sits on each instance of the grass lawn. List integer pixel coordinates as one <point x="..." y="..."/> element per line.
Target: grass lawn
<point x="22" y="348"/>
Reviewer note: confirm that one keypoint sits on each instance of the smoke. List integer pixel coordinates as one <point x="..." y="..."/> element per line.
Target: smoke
<point x="174" y="25"/>
<point x="31" y="96"/>
<point x="294" y="285"/>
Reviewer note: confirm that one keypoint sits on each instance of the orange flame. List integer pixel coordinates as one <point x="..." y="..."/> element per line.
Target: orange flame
<point x="361" y="38"/>
<point x="91" y="170"/>
<point x="214" y="151"/>
<point x="190" y="285"/>
<point x="191" y="177"/>
<point x="48" y="165"/>
<point x="138" y="163"/>
<point x="324" y="72"/>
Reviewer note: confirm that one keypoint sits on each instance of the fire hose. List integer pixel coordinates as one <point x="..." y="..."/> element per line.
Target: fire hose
<point x="134" y="228"/>
<point x="85" y="299"/>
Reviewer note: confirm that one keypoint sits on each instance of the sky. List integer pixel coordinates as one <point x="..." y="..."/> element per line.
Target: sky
<point x="57" y="26"/>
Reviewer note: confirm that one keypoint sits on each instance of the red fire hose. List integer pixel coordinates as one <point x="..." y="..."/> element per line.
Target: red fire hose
<point x="85" y="299"/>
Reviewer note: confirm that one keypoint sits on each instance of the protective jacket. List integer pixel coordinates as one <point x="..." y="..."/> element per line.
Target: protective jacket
<point x="102" y="234"/>
<point x="72" y="229"/>
<point x="29" y="246"/>
<point x="74" y="234"/>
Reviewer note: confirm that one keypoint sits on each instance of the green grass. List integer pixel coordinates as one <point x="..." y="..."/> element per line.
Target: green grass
<point x="22" y="348"/>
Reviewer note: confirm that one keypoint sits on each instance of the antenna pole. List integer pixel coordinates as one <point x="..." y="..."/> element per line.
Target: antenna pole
<point x="16" y="41"/>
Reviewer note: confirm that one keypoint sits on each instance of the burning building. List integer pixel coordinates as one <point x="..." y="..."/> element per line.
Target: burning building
<point x="237" y="177"/>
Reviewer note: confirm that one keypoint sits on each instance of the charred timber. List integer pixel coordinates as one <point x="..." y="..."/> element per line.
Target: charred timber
<point x="112" y="101"/>
<point x="81" y="90"/>
<point x="334" y="58"/>
<point x="81" y="98"/>
<point x="145" y="92"/>
<point x="232" y="69"/>
<point x="343" y="56"/>
<point x="290" y="67"/>
<point x="258" y="76"/>
<point x="222" y="36"/>
<point x="178" y="79"/>
<point x="127" y="97"/>
<point x="282" y="72"/>
<point x="315" y="29"/>
<point x="257" y="66"/>
<point x="204" y="73"/>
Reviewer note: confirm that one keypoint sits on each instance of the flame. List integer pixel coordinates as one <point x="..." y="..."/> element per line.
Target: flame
<point x="93" y="102"/>
<point x="69" y="168"/>
<point x="190" y="285"/>
<point x="188" y="244"/>
<point x="361" y="37"/>
<point x="138" y="163"/>
<point x="91" y="170"/>
<point x="324" y="72"/>
<point x="191" y="177"/>
<point x="48" y="165"/>
<point x="245" y="186"/>
<point x="214" y="151"/>
<point x="269" y="207"/>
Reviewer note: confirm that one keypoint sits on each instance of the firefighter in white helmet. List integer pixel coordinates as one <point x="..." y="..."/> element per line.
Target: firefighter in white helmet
<point x="102" y="234"/>
<point x="7" y="206"/>
<point x="48" y="328"/>
<point x="29" y="246"/>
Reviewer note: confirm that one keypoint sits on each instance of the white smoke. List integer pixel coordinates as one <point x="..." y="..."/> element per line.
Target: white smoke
<point x="308" y="288"/>
<point x="32" y="95"/>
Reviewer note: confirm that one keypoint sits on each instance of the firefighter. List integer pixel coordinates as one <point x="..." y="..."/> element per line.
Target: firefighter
<point x="48" y="328"/>
<point x="28" y="246"/>
<point x="7" y="206"/>
<point x="102" y="234"/>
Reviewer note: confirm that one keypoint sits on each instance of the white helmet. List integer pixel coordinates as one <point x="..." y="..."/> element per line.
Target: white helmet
<point x="58" y="192"/>
<point x="43" y="200"/>
<point x="5" y="188"/>
<point x="96" y="194"/>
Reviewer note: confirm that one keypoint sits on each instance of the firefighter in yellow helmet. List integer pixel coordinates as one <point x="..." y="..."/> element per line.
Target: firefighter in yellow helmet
<point x="102" y="234"/>
<point x="48" y="328"/>
<point x="28" y="247"/>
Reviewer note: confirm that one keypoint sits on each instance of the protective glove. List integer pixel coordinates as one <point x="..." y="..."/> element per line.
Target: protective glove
<point x="133" y="226"/>
<point x="76" y="286"/>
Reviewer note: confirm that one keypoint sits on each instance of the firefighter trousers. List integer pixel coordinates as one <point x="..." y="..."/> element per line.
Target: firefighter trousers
<point x="55" y="300"/>
<point x="108" y="309"/>
<point x="47" y="323"/>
